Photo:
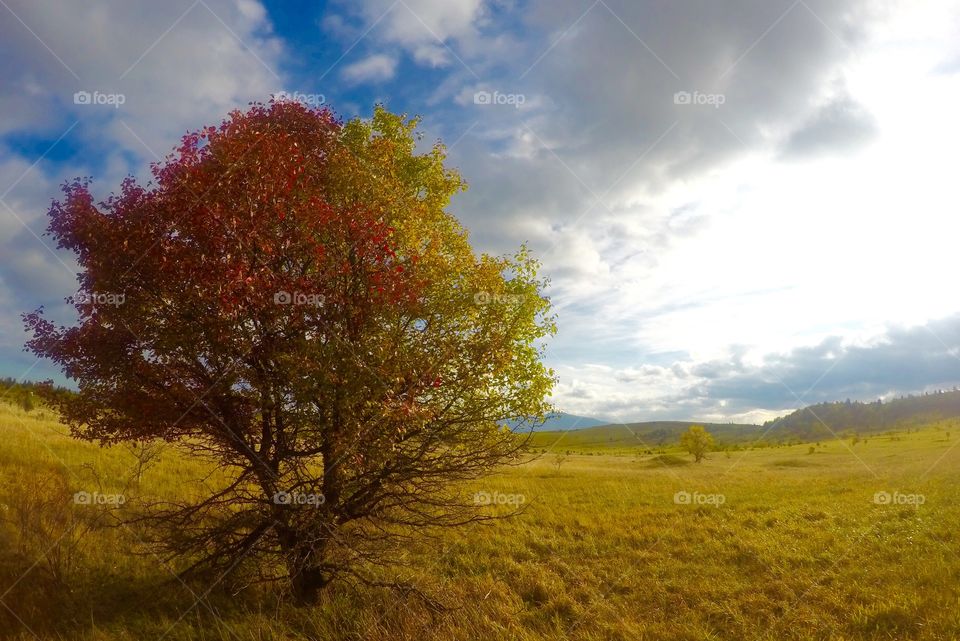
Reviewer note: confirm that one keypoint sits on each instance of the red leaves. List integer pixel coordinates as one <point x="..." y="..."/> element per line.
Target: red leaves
<point x="245" y="240"/>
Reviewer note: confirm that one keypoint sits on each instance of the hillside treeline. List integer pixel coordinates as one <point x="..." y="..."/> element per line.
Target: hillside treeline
<point x="26" y="394"/>
<point x="825" y="419"/>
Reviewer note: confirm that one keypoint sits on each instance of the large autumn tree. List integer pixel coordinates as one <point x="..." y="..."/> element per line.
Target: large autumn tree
<point x="289" y="298"/>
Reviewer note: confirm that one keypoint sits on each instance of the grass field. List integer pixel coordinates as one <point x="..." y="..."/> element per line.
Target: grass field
<point x="847" y="542"/>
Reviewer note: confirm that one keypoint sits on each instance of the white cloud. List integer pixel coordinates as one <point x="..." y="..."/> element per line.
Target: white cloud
<point x="709" y="240"/>
<point x="423" y="27"/>
<point x="178" y="65"/>
<point x="375" y="68"/>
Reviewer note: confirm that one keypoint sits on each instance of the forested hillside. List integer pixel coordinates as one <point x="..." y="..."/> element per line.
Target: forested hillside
<point x="820" y="421"/>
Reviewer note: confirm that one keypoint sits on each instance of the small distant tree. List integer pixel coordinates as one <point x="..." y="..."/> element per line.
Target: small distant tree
<point x="145" y="454"/>
<point x="26" y="402"/>
<point x="559" y="460"/>
<point x="697" y="441"/>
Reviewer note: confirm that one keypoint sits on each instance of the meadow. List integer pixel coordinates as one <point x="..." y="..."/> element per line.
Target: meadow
<point x="836" y="540"/>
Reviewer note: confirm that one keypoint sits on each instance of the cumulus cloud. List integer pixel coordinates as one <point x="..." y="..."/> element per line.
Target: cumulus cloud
<point x="375" y="68"/>
<point x="900" y="360"/>
<point x="587" y="171"/>
<point x="600" y="133"/>
<point x="423" y="27"/>
<point x="103" y="90"/>
<point x="613" y="127"/>
<point x="610" y="177"/>
<point x="838" y="126"/>
<point x="174" y="63"/>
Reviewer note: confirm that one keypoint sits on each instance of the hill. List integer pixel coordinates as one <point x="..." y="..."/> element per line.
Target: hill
<point x="826" y="419"/>
<point x="558" y="422"/>
<point x="561" y="422"/>
<point x="813" y="423"/>
<point x="647" y="434"/>
<point x="25" y="394"/>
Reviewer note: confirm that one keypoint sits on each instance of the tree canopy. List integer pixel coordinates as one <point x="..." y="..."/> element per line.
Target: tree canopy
<point x="697" y="441"/>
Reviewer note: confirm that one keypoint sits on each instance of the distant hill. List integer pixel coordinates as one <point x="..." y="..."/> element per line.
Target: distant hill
<point x="813" y="423"/>
<point x="562" y="422"/>
<point x="826" y="419"/>
<point x="26" y="393"/>
<point x="648" y="434"/>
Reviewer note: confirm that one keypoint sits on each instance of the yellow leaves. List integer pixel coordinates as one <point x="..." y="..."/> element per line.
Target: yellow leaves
<point x="482" y="315"/>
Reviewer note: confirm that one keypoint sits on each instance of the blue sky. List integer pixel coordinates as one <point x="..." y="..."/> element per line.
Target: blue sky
<point x="743" y="207"/>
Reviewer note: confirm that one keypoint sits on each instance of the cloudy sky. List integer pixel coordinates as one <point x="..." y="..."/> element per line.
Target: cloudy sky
<point x="744" y="206"/>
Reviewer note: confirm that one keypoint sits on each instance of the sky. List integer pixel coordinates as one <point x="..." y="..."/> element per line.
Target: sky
<point x="743" y="207"/>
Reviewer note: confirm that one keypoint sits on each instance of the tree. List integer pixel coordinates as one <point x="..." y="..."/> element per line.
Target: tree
<point x="697" y="441"/>
<point x="145" y="455"/>
<point x="292" y="301"/>
<point x="26" y="401"/>
<point x="559" y="460"/>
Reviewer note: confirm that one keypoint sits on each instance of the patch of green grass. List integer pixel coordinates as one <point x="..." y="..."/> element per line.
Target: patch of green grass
<point x="793" y="462"/>
<point x="667" y="460"/>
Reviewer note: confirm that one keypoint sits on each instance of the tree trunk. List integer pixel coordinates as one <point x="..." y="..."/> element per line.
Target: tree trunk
<point x="307" y="584"/>
<point x="307" y="577"/>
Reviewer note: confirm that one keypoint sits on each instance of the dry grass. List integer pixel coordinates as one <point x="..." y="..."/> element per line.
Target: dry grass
<point x="798" y="549"/>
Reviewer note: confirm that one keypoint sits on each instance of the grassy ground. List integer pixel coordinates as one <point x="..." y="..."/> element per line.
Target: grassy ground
<point x="772" y="543"/>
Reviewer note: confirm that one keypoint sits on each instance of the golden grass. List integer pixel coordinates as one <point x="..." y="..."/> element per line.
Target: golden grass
<point x="798" y="549"/>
